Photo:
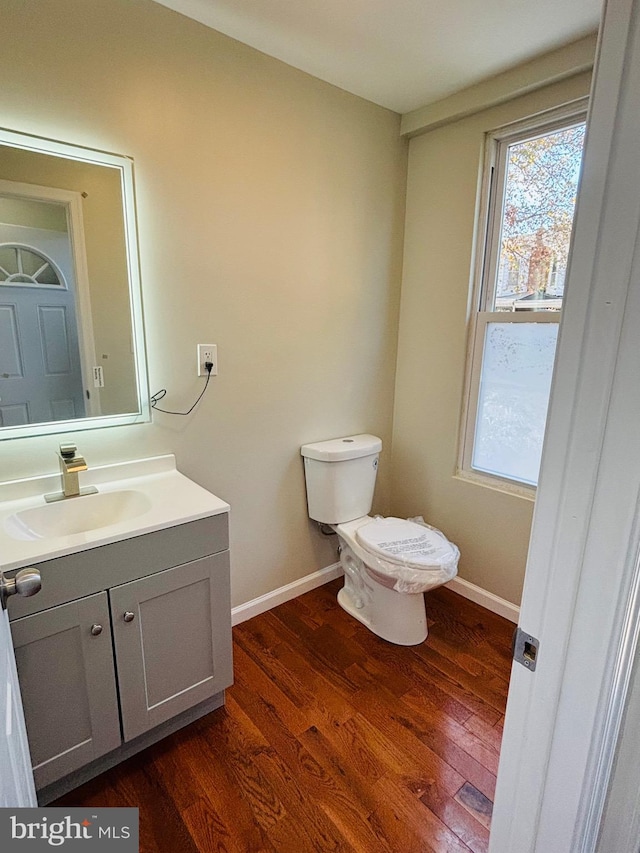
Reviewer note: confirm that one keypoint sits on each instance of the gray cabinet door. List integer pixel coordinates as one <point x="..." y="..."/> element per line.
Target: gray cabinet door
<point x="172" y="636"/>
<point x="68" y="688"/>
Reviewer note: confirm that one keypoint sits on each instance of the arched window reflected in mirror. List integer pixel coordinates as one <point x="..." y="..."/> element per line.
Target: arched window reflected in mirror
<point x="23" y="265"/>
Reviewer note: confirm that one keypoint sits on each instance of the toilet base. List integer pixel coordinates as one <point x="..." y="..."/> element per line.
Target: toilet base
<point x="391" y="615"/>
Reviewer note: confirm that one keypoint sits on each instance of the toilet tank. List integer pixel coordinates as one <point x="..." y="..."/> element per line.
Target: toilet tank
<point x="341" y="476"/>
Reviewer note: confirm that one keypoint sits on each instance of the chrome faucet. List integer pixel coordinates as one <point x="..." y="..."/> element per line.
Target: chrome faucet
<point x="70" y="466"/>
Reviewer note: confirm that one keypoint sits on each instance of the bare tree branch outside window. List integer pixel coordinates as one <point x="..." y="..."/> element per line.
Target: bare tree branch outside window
<point x="539" y="203"/>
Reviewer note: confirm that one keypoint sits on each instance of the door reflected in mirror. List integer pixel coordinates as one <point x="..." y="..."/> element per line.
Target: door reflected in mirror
<point x="71" y="337"/>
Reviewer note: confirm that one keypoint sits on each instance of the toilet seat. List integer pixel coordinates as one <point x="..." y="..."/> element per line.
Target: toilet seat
<point x="405" y="543"/>
<point x="429" y="566"/>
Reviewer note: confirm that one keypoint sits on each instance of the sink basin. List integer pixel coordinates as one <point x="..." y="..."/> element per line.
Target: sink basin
<point x="77" y="515"/>
<point x="134" y="497"/>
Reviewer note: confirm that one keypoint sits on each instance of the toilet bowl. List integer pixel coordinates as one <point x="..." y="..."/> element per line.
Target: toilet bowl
<point x="388" y="563"/>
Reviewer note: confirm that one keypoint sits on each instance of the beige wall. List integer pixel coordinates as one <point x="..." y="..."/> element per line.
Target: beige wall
<point x="491" y="528"/>
<point x="270" y="212"/>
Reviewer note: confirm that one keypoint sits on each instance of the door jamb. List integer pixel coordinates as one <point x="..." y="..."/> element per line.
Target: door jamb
<point x="72" y="202"/>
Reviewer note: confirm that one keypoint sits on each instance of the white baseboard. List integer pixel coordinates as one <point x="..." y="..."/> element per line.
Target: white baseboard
<point x="284" y="593"/>
<point x="487" y="599"/>
<point x="292" y="590"/>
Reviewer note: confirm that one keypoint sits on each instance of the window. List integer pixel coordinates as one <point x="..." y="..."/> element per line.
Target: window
<point x="24" y="265"/>
<point x="528" y="200"/>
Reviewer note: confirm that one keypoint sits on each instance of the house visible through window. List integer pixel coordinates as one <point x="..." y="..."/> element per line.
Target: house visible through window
<point x="529" y="195"/>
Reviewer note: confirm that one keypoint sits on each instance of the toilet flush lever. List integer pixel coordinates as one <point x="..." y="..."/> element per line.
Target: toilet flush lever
<point x="525" y="649"/>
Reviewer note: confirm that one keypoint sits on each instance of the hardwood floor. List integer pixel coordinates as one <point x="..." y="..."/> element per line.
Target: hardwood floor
<point x="332" y="739"/>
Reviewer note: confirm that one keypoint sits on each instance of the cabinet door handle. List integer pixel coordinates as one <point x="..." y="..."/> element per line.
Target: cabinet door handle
<point x="96" y="630"/>
<point x="26" y="582"/>
<point x="129" y="616"/>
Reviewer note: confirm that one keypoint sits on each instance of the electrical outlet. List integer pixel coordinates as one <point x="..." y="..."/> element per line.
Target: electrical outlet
<point x="207" y="352"/>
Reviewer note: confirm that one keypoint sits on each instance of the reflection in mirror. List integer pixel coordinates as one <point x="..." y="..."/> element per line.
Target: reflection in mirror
<point x="71" y="337"/>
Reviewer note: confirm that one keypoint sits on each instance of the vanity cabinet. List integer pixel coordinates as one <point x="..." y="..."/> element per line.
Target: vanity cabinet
<point x="148" y="641"/>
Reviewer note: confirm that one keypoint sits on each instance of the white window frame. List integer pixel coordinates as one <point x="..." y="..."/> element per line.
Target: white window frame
<point x="484" y="273"/>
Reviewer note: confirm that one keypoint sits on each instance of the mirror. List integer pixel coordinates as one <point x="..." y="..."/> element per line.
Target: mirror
<point x="71" y="333"/>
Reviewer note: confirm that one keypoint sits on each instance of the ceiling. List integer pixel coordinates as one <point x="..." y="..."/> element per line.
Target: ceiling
<point x="401" y="54"/>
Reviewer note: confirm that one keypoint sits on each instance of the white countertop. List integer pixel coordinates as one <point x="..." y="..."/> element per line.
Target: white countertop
<point x="173" y="499"/>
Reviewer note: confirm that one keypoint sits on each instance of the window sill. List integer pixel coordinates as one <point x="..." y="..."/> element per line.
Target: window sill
<point x="507" y="487"/>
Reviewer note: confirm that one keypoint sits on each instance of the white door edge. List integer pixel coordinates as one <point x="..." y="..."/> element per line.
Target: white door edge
<point x="17" y="788"/>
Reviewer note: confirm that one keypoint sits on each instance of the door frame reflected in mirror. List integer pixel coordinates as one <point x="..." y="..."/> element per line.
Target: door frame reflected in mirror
<point x="124" y="167"/>
<point x="71" y="202"/>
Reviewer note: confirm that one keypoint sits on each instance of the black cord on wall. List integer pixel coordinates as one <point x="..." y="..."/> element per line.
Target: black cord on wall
<point x="163" y="393"/>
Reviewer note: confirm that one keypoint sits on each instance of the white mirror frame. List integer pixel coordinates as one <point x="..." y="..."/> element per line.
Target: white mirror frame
<point x="124" y="164"/>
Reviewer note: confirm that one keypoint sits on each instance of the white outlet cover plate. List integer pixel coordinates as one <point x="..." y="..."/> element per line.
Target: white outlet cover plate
<point x="207" y="352"/>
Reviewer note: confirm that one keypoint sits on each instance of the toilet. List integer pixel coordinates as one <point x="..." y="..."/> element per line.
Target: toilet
<point x="388" y="562"/>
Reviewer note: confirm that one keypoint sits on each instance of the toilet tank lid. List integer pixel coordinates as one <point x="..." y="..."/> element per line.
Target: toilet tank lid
<point x="338" y="449"/>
